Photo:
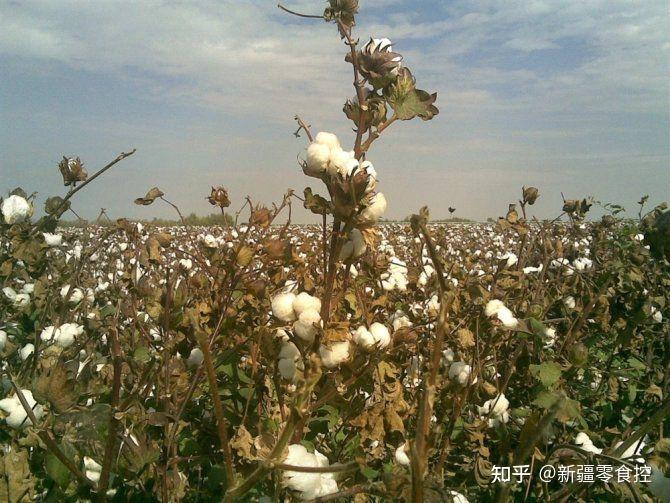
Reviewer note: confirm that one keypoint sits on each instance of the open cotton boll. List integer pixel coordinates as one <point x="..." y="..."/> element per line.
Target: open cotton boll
<point x="195" y="358"/>
<point x="354" y="247"/>
<point x="52" y="239"/>
<point x="26" y="351"/>
<point x="3" y="340"/>
<point x="334" y="354"/>
<point x="304" y="301"/>
<point x="369" y="169"/>
<point x="457" y="497"/>
<point x="72" y="295"/>
<point x="460" y="372"/>
<point x="363" y="337"/>
<point x="92" y="469"/>
<point x="282" y="306"/>
<point x="569" y="302"/>
<point x="375" y="209"/>
<point x="309" y="485"/>
<point x="16" y="209"/>
<point x="496" y="410"/>
<point x="66" y="334"/>
<point x="305" y="327"/>
<point x="318" y="156"/>
<point x="16" y="414"/>
<point x="380" y="334"/>
<point x="401" y="456"/>
<point x="583" y="441"/>
<point x="495" y="308"/>
<point x="289" y="361"/>
<point x="341" y="163"/>
<point x="328" y="139"/>
<point x="400" y="320"/>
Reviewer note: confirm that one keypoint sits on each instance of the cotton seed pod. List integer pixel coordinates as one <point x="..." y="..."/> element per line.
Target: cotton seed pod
<point x="530" y="195"/>
<point x="72" y="170"/>
<point x="219" y="197"/>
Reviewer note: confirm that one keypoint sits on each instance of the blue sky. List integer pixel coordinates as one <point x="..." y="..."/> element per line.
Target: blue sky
<point x="567" y="95"/>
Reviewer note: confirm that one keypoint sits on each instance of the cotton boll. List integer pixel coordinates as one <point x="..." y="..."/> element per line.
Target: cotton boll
<point x="375" y="209"/>
<point x="282" y="306"/>
<point x="569" y="302"/>
<point x="328" y="139"/>
<point x="549" y="337"/>
<point x="318" y="156"/>
<point x="400" y="320"/>
<point x="369" y="169"/>
<point x="460" y="372"/>
<point x="341" y="163"/>
<point x="401" y="456"/>
<point x="304" y="302"/>
<point x="16" y="414"/>
<point x="380" y="334"/>
<point x="26" y="351"/>
<point x="305" y="326"/>
<point x="433" y="306"/>
<point x="496" y="410"/>
<point x="16" y="209"/>
<point x="583" y="441"/>
<point x="310" y="485"/>
<point x="53" y="239"/>
<point x="67" y="333"/>
<point x="495" y="308"/>
<point x="3" y="340"/>
<point x="334" y="354"/>
<point x="363" y="337"/>
<point x="458" y="497"/>
<point x="92" y="469"/>
<point x="492" y="307"/>
<point x="195" y="358"/>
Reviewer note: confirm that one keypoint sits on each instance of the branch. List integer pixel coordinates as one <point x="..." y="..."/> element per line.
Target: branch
<point x="119" y="158"/>
<point x="218" y="407"/>
<point x="309" y="16"/>
<point x="304" y="127"/>
<point x="110" y="447"/>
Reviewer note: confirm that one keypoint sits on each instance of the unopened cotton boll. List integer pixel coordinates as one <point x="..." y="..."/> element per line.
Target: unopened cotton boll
<point x="16" y="414"/>
<point x="282" y="306"/>
<point x="195" y="358"/>
<point x="305" y="327"/>
<point x="401" y="456"/>
<point x="304" y="301"/>
<point x="334" y="354"/>
<point x="16" y="209"/>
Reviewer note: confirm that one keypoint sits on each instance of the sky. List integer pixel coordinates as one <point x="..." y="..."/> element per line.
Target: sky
<point x="569" y="96"/>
